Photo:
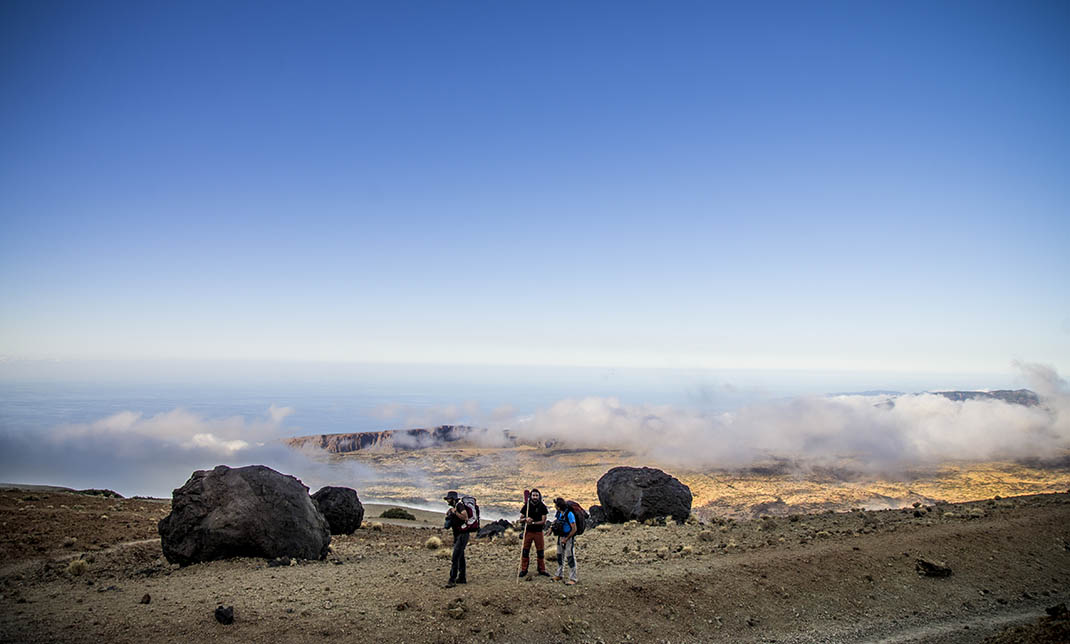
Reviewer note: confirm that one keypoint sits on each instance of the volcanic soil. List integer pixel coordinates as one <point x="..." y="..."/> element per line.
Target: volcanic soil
<point x="843" y="577"/>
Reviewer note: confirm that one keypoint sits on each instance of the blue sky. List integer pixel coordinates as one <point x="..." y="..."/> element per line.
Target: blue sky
<point x="861" y="186"/>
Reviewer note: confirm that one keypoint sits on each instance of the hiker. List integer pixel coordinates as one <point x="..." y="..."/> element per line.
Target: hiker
<point x="565" y="522"/>
<point x="457" y="519"/>
<point x="533" y="516"/>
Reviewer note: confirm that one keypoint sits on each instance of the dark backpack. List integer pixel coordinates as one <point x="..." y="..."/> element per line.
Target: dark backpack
<point x="558" y="526"/>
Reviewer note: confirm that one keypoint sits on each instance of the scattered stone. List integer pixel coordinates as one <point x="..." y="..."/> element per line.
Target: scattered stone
<point x="928" y="568"/>
<point x="402" y="606"/>
<point x="250" y="511"/>
<point x="224" y="614"/>
<point x="341" y="507"/>
<point x="457" y="612"/>
<point x="1058" y="611"/>
<point x="145" y="599"/>
<point x="278" y="561"/>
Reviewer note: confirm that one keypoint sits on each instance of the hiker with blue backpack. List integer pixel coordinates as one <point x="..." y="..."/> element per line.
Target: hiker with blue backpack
<point x="567" y="526"/>
<point x="463" y="517"/>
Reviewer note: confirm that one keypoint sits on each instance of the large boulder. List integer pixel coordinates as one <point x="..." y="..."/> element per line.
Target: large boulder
<point x="249" y="511"/>
<point x="341" y="507"/>
<point x="642" y="493"/>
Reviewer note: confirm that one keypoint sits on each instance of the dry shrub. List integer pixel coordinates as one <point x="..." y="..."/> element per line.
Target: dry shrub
<point x="510" y="538"/>
<point x="686" y="550"/>
<point x="77" y="567"/>
<point x="376" y="526"/>
<point x="433" y="543"/>
<point x="706" y="535"/>
<point x="444" y="553"/>
<point x="69" y="542"/>
<point x="550" y="553"/>
<point x="603" y="527"/>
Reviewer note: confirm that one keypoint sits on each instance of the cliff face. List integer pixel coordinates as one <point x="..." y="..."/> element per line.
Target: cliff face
<point x="388" y="439"/>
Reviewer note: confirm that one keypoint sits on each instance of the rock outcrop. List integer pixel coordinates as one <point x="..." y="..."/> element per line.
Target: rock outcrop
<point x="595" y="516"/>
<point x="341" y="507"/>
<point x="249" y="511"/>
<point x="493" y="529"/>
<point x="642" y="493"/>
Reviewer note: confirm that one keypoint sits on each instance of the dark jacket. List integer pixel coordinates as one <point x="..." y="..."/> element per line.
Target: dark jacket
<point x="537" y="511"/>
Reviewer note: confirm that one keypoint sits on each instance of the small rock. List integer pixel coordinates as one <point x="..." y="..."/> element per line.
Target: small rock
<point x="1057" y="611"/>
<point x="224" y="614"/>
<point x="146" y="599"/>
<point x="402" y="606"/>
<point x="927" y="568"/>
<point x="456" y="612"/>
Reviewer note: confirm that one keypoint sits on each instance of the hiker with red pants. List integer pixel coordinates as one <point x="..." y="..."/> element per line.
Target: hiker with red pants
<point x="533" y="516"/>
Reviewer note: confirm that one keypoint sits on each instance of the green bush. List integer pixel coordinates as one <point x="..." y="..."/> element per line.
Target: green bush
<point x="397" y="513"/>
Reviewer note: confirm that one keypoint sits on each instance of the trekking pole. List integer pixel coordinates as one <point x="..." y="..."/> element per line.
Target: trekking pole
<point x="523" y="535"/>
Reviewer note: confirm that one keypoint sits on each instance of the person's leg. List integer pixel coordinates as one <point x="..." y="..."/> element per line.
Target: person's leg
<point x="526" y="550"/>
<point x="560" y="560"/>
<point x="539" y="552"/>
<point x="462" y="571"/>
<point x="458" y="554"/>
<point x="572" y="560"/>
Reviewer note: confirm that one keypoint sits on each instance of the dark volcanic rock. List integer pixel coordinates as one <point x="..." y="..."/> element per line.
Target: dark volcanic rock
<point x="927" y="568"/>
<point x="493" y="529"/>
<point x="341" y="507"/>
<point x="244" y="512"/>
<point x="595" y="515"/>
<point x="224" y="614"/>
<point x="642" y="493"/>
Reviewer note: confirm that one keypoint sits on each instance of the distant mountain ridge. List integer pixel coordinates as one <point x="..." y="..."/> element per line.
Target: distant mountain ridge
<point x="406" y="439"/>
<point x="1023" y="397"/>
<point x="466" y="435"/>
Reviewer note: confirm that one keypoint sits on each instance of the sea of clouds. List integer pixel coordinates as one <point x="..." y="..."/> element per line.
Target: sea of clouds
<point x="135" y="453"/>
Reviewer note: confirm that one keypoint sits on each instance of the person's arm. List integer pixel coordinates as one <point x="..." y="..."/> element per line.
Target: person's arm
<point x="461" y="514"/>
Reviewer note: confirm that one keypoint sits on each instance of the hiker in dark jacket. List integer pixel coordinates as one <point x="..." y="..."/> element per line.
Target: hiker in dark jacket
<point x="566" y="542"/>
<point x="456" y="518"/>
<point x="533" y="516"/>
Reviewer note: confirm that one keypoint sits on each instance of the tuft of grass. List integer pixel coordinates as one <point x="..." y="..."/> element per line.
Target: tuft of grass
<point x="603" y="527"/>
<point x="69" y="542"/>
<point x="706" y="535"/>
<point x="550" y="553"/>
<point x="444" y="553"/>
<point x="433" y="543"/>
<point x="77" y="567"/>
<point x="510" y="537"/>
<point x="376" y="526"/>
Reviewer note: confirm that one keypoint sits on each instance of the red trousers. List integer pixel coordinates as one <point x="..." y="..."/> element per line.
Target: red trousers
<point x="536" y="538"/>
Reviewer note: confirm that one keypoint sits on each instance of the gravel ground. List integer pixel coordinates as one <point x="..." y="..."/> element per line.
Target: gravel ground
<point x="844" y="577"/>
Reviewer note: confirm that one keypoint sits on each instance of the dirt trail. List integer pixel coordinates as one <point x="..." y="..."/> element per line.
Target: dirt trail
<point x="821" y="578"/>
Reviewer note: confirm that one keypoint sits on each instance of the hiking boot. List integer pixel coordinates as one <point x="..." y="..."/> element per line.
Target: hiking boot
<point x="556" y="578"/>
<point x="570" y="583"/>
<point x="451" y="584"/>
<point x="543" y="573"/>
<point x="462" y="581"/>
<point x="523" y="573"/>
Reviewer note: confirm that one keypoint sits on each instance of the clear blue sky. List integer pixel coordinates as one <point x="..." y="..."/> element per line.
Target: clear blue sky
<point x="853" y="185"/>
